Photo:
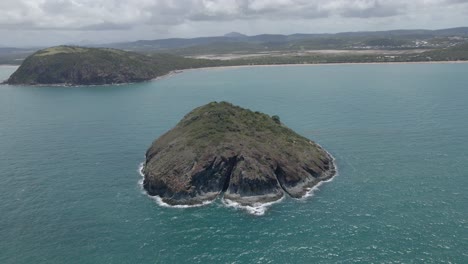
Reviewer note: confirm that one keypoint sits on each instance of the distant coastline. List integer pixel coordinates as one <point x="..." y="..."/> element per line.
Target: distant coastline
<point x="301" y="64"/>
<point x="175" y="72"/>
<point x="332" y="63"/>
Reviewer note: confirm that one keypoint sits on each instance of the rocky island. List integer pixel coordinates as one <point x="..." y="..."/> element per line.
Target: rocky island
<point x="222" y="149"/>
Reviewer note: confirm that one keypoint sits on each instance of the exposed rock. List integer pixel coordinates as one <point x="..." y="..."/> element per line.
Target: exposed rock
<point x="248" y="156"/>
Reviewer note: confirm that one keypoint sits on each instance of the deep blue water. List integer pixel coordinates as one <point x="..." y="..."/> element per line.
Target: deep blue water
<point x="69" y="158"/>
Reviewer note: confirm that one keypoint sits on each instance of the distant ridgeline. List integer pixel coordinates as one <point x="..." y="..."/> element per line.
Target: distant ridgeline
<point x="72" y="65"/>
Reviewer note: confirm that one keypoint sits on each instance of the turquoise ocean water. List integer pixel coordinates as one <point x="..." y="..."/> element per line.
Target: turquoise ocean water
<point x="69" y="157"/>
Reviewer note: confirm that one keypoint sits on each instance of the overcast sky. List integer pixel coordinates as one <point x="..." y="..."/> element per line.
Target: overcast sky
<point x="51" y="22"/>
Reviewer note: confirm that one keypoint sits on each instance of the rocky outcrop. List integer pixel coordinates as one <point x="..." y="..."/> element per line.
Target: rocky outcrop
<point x="221" y="149"/>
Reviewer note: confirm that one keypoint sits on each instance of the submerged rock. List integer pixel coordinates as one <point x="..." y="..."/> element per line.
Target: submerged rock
<point x="248" y="156"/>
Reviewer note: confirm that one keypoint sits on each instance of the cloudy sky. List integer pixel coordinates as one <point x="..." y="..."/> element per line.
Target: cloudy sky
<point x="51" y="22"/>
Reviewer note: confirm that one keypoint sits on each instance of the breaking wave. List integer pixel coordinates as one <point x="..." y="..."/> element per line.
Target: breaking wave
<point x="257" y="209"/>
<point x="158" y="199"/>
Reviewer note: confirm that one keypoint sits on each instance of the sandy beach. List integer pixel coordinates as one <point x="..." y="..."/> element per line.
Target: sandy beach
<point x="172" y="73"/>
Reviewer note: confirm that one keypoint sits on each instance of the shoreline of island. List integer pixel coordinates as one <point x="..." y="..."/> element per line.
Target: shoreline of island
<point x="257" y="205"/>
<point x="227" y="67"/>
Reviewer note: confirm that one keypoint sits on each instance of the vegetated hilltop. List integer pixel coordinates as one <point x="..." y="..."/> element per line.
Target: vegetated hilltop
<point x="94" y="66"/>
<point x="248" y="156"/>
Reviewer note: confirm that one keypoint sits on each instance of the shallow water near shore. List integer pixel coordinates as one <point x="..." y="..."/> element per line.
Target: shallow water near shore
<point x="69" y="160"/>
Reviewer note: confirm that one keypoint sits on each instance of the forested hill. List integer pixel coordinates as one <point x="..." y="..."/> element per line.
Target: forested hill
<point x="72" y="65"/>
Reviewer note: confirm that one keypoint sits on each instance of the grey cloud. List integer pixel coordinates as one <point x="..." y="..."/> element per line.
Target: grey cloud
<point x="100" y="14"/>
<point x="105" y="26"/>
<point x="258" y="9"/>
<point x="456" y="1"/>
<point x="248" y="14"/>
<point x="376" y="9"/>
<point x="56" y="7"/>
<point x="22" y="24"/>
<point x="120" y="14"/>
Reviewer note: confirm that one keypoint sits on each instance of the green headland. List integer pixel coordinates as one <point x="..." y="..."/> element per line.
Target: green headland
<point x="70" y="65"/>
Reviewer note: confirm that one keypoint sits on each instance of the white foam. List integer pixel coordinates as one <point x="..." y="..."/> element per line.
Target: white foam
<point x="312" y="190"/>
<point x="161" y="203"/>
<point x="158" y="199"/>
<point x="257" y="209"/>
<point x="140" y="169"/>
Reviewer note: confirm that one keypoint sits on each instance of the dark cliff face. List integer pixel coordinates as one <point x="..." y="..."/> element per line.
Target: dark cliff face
<point x="248" y="156"/>
<point x="84" y="66"/>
